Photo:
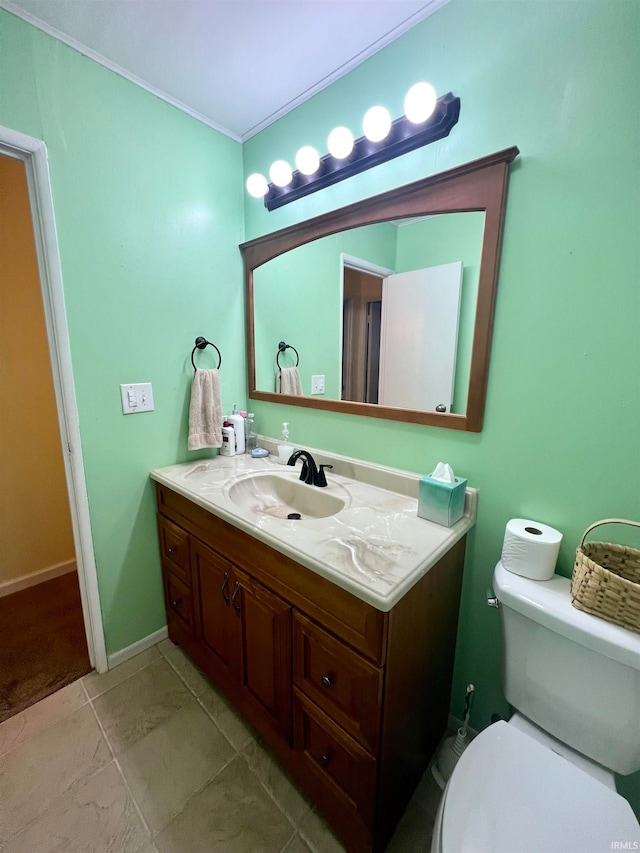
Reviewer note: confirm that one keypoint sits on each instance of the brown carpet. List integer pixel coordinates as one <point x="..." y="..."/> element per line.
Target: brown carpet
<point x="43" y="646"/>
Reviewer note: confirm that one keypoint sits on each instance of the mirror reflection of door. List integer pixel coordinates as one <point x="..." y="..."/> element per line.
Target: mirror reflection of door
<point x="400" y="337"/>
<point x="372" y="378"/>
<point x="361" y="314"/>
<point x="420" y="313"/>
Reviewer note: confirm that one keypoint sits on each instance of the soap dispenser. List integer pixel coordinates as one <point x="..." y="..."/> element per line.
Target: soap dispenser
<point x="285" y="448"/>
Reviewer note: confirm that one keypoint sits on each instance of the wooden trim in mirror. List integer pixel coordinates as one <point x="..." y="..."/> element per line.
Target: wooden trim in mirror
<point x="477" y="186"/>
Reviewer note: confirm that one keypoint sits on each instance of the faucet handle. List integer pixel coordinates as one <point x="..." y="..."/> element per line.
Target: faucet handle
<point x="322" y="480"/>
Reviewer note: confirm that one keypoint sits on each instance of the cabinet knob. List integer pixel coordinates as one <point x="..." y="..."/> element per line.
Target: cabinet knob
<point x="324" y="760"/>
<point x="170" y="551"/>
<point x="326" y="681"/>
<point x="176" y="602"/>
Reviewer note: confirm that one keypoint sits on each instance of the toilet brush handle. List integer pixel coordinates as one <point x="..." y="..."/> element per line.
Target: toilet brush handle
<point x="468" y="699"/>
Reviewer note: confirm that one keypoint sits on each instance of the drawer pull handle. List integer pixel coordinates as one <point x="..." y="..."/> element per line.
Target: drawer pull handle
<point x="225" y="594"/>
<point x="326" y="681"/>
<point x="324" y="760"/>
<point x="236" y="590"/>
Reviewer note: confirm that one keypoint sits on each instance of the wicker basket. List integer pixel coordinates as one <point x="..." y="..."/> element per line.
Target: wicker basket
<point x="606" y="579"/>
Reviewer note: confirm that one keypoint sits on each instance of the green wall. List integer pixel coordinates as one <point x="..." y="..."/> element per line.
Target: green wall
<point x="560" y="442"/>
<point x="148" y="207"/>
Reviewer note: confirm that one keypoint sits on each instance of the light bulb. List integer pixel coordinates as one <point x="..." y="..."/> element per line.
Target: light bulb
<point x="340" y="142"/>
<point x="257" y="185"/>
<point x="420" y="102"/>
<point x="307" y="160"/>
<point x="376" y="124"/>
<point x="280" y="173"/>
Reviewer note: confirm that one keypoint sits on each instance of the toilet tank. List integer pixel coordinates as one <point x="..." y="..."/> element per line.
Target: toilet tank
<point x="573" y="674"/>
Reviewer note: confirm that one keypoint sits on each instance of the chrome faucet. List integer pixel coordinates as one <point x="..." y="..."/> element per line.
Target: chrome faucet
<point x="311" y="474"/>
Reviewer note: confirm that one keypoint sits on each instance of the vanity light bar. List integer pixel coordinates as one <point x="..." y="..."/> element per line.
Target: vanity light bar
<point x="403" y="137"/>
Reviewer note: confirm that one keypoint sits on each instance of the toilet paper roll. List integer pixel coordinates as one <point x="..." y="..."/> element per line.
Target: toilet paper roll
<point x="530" y="549"/>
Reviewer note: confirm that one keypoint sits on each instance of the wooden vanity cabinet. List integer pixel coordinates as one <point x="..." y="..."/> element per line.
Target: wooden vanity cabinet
<point x="351" y="700"/>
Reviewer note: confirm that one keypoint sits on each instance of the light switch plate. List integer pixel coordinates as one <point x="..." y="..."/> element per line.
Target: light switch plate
<point x="137" y="397"/>
<point x="317" y="384"/>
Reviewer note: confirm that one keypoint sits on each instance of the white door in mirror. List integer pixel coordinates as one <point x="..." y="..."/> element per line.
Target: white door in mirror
<point x="419" y="337"/>
<point x="136" y="398"/>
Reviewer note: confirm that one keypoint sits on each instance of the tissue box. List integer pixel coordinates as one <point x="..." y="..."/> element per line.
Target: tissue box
<point x="441" y="502"/>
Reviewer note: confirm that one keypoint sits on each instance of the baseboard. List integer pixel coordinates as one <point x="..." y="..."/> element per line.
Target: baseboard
<point x="137" y="647"/>
<point x="33" y="579"/>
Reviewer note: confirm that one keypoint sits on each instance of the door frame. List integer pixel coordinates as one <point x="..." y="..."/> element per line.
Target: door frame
<point x="361" y="265"/>
<point x="33" y="153"/>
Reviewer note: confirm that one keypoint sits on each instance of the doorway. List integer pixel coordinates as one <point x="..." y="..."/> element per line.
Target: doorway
<point x="361" y="315"/>
<point x="49" y="604"/>
<point x="42" y="642"/>
<point x="400" y="334"/>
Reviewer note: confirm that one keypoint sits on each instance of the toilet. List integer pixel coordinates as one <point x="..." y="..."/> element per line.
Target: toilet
<point x="543" y="782"/>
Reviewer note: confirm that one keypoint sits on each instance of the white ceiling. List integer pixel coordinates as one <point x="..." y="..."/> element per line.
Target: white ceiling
<point x="237" y="65"/>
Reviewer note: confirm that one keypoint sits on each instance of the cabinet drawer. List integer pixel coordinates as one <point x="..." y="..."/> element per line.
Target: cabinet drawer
<point x="174" y="549"/>
<point x="179" y="602"/>
<point x="345" y="770"/>
<point x="337" y="679"/>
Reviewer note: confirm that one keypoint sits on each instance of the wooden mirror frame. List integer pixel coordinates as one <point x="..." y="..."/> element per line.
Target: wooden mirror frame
<point x="477" y="186"/>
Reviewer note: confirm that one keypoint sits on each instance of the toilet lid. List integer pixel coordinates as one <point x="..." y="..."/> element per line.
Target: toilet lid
<point x="509" y="793"/>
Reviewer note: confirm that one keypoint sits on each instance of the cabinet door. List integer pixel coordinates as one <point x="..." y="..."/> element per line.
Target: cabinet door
<point x="217" y="625"/>
<point x="266" y="651"/>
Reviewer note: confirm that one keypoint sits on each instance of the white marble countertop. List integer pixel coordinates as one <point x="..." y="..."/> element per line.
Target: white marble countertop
<point x="376" y="547"/>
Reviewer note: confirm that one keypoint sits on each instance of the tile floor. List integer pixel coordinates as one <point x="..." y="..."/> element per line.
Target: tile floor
<point x="149" y="758"/>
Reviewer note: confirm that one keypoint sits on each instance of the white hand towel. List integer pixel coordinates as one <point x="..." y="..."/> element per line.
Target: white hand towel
<point x="205" y="411"/>
<point x="289" y="381"/>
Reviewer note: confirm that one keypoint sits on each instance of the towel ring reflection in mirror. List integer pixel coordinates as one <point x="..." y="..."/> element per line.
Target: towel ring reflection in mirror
<point x="201" y="343"/>
<point x="281" y="348"/>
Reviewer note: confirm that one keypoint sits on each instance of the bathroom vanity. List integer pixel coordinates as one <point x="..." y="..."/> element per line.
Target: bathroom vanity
<point x="333" y="634"/>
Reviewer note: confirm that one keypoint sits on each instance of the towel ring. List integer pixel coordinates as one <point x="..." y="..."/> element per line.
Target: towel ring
<point x="201" y="343"/>
<point x="281" y="348"/>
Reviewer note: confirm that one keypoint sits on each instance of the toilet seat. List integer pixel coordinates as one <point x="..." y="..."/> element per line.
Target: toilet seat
<point x="509" y="793"/>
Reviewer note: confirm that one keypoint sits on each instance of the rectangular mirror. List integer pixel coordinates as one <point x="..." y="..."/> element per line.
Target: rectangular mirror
<point x="390" y="300"/>
<point x="386" y="312"/>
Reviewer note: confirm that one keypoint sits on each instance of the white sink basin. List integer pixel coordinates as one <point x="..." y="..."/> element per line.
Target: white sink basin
<point x="281" y="495"/>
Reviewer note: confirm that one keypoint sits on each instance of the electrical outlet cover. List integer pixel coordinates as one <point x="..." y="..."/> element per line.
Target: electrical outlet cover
<point x="317" y="384"/>
<point x="137" y="397"/>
